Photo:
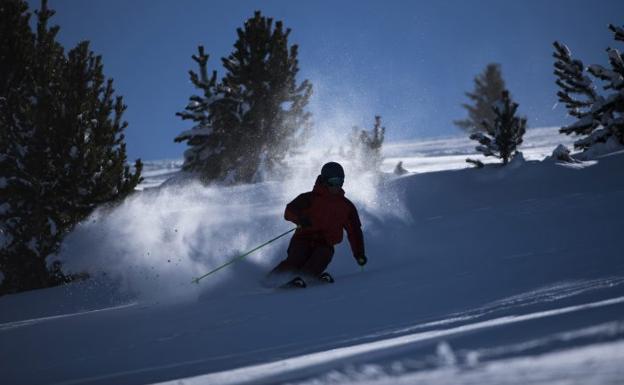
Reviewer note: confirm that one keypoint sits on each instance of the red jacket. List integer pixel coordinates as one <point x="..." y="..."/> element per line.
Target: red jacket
<point x="329" y="214"/>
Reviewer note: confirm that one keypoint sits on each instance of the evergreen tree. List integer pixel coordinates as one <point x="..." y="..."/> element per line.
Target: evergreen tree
<point x="366" y="146"/>
<point x="502" y="138"/>
<point x="598" y="117"/>
<point x="62" y="144"/>
<point x="205" y="145"/>
<point x="488" y="87"/>
<point x="249" y="121"/>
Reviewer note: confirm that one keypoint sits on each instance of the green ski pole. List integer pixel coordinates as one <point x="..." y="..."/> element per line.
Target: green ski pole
<point x="196" y="280"/>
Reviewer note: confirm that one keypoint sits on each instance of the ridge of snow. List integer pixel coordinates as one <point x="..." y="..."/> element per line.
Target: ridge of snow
<point x="261" y="371"/>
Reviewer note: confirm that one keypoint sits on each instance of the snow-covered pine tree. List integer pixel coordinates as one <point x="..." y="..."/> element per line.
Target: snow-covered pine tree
<point x="17" y="43"/>
<point x="249" y="121"/>
<point x="261" y="83"/>
<point x="205" y="145"/>
<point x="17" y="40"/>
<point x="488" y="87"/>
<point x="502" y="137"/>
<point x="598" y="117"/>
<point x="90" y="133"/>
<point x="366" y="146"/>
<point x="62" y="151"/>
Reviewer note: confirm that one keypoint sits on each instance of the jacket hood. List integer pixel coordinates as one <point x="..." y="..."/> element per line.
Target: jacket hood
<point x="321" y="188"/>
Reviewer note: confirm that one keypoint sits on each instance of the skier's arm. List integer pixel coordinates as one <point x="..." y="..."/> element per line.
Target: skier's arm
<point x="354" y="234"/>
<point x="295" y="210"/>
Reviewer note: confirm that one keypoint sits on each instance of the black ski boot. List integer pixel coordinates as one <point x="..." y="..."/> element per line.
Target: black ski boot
<point x="326" y="278"/>
<point x="295" y="283"/>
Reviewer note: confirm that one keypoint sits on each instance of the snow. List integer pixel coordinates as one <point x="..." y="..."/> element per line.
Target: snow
<point x="597" y="150"/>
<point x="450" y="153"/>
<point x="53" y="228"/>
<point x="564" y="368"/>
<point x="498" y="275"/>
<point x="445" y="354"/>
<point x="5" y="239"/>
<point x="195" y="131"/>
<point x="517" y="161"/>
<point x="5" y="208"/>
<point x="156" y="172"/>
<point x="33" y="245"/>
<point x="562" y="153"/>
<point x="423" y="155"/>
<point x="245" y="107"/>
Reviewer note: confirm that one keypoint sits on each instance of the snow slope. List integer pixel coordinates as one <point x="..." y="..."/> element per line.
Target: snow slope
<point x="418" y="155"/>
<point x="495" y="276"/>
<point x="450" y="153"/>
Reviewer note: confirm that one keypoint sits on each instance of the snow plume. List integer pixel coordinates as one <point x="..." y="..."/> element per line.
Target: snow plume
<point x="155" y="242"/>
<point x="334" y="116"/>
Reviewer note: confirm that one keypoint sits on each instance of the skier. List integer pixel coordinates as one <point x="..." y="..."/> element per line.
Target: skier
<point x="320" y="216"/>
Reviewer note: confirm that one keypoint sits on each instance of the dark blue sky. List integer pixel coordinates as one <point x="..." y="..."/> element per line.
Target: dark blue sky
<point x="410" y="62"/>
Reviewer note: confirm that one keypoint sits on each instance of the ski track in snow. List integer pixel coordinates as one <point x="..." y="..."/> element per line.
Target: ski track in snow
<point x="594" y="364"/>
<point x="263" y="371"/>
<point x="33" y="321"/>
<point x="543" y="295"/>
<point x="475" y="364"/>
<point x="280" y="370"/>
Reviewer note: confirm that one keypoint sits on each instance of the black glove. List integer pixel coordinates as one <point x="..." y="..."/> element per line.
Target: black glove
<point x="304" y="222"/>
<point x="361" y="260"/>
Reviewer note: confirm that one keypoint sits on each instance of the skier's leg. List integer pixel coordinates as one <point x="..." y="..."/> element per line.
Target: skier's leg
<point x="319" y="260"/>
<point x="299" y="251"/>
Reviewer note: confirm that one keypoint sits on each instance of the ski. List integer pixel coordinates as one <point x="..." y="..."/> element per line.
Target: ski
<point x="295" y="283"/>
<point x="326" y="278"/>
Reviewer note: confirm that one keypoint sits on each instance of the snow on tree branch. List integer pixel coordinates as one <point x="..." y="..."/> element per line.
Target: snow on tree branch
<point x="598" y="117"/>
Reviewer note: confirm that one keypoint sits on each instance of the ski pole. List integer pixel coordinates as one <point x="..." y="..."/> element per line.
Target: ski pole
<point x="196" y="280"/>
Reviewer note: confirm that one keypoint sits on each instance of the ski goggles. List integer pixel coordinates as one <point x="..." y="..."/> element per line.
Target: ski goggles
<point x="335" y="181"/>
